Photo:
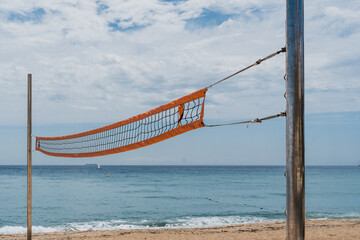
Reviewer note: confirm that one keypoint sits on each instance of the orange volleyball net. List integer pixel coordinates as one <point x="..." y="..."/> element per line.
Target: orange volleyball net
<point x="158" y="124"/>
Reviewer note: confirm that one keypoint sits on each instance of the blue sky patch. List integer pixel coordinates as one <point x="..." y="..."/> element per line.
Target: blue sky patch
<point x="101" y="7"/>
<point x="116" y="27"/>
<point x="348" y="31"/>
<point x="35" y="15"/>
<point x="175" y="2"/>
<point x="57" y="97"/>
<point x="208" y="19"/>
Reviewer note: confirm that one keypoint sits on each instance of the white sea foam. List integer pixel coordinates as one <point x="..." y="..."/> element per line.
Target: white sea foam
<point x="325" y="216"/>
<point x="194" y="222"/>
<point x="35" y="229"/>
<point x="186" y="222"/>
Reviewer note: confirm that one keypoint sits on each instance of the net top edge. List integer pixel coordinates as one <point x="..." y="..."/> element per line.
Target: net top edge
<point x="192" y="96"/>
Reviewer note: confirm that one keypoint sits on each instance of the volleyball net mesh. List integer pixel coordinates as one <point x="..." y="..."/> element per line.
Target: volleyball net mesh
<point x="158" y="124"/>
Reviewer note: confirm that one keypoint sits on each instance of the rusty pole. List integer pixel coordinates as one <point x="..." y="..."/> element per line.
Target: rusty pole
<point x="295" y="159"/>
<point x="29" y="233"/>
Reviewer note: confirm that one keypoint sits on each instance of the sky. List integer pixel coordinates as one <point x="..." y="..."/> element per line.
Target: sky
<point x="97" y="62"/>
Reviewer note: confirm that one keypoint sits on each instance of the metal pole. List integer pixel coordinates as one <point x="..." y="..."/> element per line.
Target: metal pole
<point x="295" y="161"/>
<point x="29" y="161"/>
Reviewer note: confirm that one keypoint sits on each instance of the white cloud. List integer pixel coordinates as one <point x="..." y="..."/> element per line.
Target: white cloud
<point x="84" y="71"/>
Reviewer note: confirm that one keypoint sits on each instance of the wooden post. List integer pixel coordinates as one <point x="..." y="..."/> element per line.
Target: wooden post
<point x="295" y="160"/>
<point x="29" y="233"/>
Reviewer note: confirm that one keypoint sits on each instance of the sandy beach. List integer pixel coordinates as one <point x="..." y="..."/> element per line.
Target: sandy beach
<point x="315" y="230"/>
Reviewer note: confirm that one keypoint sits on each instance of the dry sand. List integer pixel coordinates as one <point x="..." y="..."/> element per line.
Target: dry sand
<point x="315" y="230"/>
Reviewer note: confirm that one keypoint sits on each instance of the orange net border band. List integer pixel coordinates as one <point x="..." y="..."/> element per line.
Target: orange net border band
<point x="169" y="134"/>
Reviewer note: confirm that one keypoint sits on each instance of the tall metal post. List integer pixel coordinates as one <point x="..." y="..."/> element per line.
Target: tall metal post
<point x="295" y="161"/>
<point x="29" y="160"/>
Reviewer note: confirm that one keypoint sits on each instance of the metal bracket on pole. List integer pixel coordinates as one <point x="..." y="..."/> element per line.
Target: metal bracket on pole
<point x="295" y="161"/>
<point x="29" y="164"/>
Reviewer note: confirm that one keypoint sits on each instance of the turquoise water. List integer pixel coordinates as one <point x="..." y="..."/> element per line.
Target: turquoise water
<point x="83" y="198"/>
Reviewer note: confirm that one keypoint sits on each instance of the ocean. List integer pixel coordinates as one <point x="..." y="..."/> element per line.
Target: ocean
<point x="69" y="198"/>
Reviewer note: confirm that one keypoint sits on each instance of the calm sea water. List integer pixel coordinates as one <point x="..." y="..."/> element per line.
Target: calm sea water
<point x="83" y="198"/>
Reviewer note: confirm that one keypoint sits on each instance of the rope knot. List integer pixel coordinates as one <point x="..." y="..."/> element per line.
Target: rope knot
<point x="256" y="120"/>
<point x="258" y="61"/>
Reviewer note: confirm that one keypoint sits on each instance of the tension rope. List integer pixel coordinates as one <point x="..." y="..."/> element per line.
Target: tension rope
<point x="256" y="120"/>
<point x="250" y="66"/>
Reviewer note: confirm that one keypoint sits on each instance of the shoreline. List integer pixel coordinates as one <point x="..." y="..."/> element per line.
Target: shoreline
<point x="336" y="229"/>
